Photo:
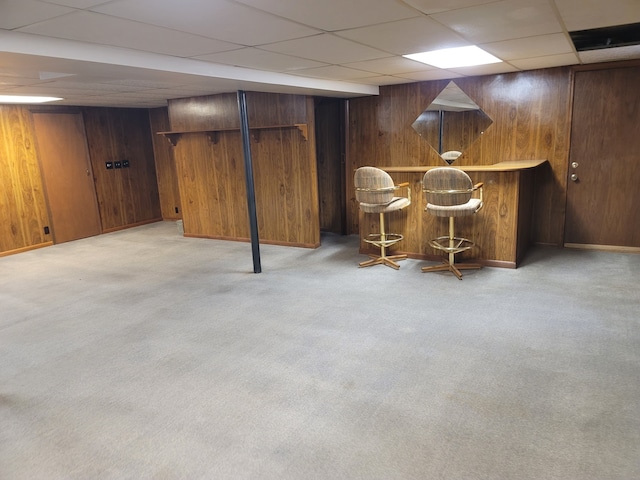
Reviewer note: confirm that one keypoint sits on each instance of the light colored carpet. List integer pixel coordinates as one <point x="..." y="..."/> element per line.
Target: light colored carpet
<point x="141" y="354"/>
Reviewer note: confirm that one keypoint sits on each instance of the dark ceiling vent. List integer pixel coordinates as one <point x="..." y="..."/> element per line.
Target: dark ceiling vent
<point x="606" y="37"/>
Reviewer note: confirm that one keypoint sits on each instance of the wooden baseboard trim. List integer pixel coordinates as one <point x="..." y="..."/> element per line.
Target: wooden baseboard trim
<point x="25" y="249"/>
<point x="131" y="225"/>
<point x="604" y="248"/>
<point x="247" y="240"/>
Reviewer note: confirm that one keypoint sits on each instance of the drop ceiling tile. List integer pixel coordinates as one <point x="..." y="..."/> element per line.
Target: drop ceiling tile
<point x="18" y="13"/>
<point x="16" y="81"/>
<point x="128" y="84"/>
<point x="586" y="14"/>
<point x="553" y="44"/>
<point x="436" y="74"/>
<point x="610" y="54"/>
<point x="222" y="20"/>
<point x="44" y="89"/>
<point x="334" y="72"/>
<point x="490" y="69"/>
<point x="97" y="28"/>
<point x="78" y="3"/>
<point x="332" y="15"/>
<point x="251" y="57"/>
<point x="385" y="80"/>
<point x="389" y="65"/>
<point x="436" y="6"/>
<point x="547" y="61"/>
<point x="503" y="20"/>
<point x="326" y="48"/>
<point x="406" y="36"/>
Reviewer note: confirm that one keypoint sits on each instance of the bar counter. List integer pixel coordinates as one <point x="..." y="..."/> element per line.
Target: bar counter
<point x="501" y="229"/>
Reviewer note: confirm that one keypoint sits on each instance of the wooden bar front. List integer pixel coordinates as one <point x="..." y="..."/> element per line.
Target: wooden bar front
<point x="501" y="229"/>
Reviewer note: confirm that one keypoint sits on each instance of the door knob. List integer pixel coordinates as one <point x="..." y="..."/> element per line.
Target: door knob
<point x="574" y="177"/>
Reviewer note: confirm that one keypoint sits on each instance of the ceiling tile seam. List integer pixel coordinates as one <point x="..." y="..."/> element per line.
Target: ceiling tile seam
<point x="565" y="30"/>
<point x="418" y="13"/>
<point x="167" y="29"/>
<point x="452" y="9"/>
<point x="319" y="30"/>
<point x="507" y="40"/>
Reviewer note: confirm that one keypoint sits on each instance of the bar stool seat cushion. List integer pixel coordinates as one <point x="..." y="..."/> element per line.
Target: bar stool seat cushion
<point x="396" y="203"/>
<point x="463" y="210"/>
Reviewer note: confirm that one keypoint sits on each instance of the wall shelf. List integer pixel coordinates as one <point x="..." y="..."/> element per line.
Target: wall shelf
<point x="174" y="136"/>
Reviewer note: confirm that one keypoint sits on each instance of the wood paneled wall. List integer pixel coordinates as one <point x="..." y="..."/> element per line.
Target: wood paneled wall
<point x="531" y="120"/>
<point x="23" y="210"/>
<point x="210" y="167"/>
<point x="168" y="189"/>
<point x="126" y="196"/>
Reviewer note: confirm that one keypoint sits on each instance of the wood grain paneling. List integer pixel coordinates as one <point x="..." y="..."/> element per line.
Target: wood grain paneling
<point x="23" y="210"/>
<point x="211" y="173"/>
<point x="530" y="113"/>
<point x="168" y="190"/>
<point x="126" y="196"/>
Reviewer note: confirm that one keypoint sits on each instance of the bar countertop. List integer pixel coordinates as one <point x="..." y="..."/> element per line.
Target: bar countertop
<point x="511" y="165"/>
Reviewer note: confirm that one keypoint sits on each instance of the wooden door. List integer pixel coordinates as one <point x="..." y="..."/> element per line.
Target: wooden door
<point x="64" y="156"/>
<point x="604" y="160"/>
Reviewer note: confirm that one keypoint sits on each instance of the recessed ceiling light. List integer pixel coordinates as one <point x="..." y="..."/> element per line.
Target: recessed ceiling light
<point x="455" y="57"/>
<point x="26" y="99"/>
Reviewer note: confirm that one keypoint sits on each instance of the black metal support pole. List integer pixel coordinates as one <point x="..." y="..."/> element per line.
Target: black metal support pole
<point x="441" y="132"/>
<point x="248" y="172"/>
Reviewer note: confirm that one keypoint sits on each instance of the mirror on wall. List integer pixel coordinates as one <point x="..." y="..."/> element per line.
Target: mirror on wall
<point x="451" y="123"/>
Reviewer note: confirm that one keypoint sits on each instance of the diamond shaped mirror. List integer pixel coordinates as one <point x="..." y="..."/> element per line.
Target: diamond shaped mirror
<point x="451" y="123"/>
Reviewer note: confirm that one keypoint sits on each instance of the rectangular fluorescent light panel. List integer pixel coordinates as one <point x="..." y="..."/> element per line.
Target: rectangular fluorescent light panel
<point x="454" y="57"/>
<point x="26" y="99"/>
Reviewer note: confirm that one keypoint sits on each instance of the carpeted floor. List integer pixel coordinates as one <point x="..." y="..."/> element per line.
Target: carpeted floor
<point x="142" y="354"/>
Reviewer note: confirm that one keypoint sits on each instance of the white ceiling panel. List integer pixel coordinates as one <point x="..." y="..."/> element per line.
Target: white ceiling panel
<point x="389" y="65"/>
<point x="334" y="71"/>
<point x="97" y="28"/>
<point x="490" y="69"/>
<point x="81" y="4"/>
<point x="406" y="36"/>
<point x="586" y="14"/>
<point x="437" y="6"/>
<point x="18" y="13"/>
<point x="435" y="74"/>
<point x="327" y="48"/>
<point x="385" y="80"/>
<point x="252" y="57"/>
<point x="507" y="19"/>
<point x="542" y="45"/>
<point x="332" y="15"/>
<point x="143" y="52"/>
<point x="546" y="61"/>
<point x="219" y="19"/>
<point x="610" y="54"/>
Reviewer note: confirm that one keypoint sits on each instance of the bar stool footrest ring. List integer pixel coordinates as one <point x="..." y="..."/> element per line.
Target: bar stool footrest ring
<point x="383" y="240"/>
